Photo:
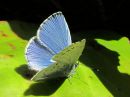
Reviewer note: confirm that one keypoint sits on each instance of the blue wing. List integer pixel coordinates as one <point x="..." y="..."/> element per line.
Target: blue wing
<point x="37" y="55"/>
<point x="54" y="33"/>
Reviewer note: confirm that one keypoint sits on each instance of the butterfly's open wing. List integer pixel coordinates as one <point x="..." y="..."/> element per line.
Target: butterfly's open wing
<point x="37" y="55"/>
<point x="54" y="33"/>
<point x="65" y="61"/>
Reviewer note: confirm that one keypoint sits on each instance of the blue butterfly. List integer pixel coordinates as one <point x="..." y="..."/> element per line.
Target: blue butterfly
<point x="51" y="52"/>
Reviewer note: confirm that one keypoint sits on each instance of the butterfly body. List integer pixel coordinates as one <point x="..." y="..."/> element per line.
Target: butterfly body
<point x="51" y="53"/>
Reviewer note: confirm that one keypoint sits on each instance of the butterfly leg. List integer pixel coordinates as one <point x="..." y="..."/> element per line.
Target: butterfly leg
<point x="72" y="72"/>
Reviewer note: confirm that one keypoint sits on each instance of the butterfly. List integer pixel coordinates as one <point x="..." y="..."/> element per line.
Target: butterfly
<point x="51" y="52"/>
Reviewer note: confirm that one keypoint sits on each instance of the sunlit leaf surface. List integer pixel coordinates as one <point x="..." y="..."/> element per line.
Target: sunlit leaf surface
<point x="103" y="71"/>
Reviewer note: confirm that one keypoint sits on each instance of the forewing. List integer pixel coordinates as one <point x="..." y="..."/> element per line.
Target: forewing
<point x="54" y="33"/>
<point x="65" y="62"/>
<point x="71" y="54"/>
<point x="37" y="55"/>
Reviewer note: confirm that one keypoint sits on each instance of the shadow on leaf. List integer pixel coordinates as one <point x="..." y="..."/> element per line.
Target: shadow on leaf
<point x="45" y="88"/>
<point x="23" y="30"/>
<point x="25" y="72"/>
<point x="104" y="63"/>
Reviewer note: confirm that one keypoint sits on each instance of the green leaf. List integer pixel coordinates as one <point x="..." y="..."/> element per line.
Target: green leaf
<point x="103" y="70"/>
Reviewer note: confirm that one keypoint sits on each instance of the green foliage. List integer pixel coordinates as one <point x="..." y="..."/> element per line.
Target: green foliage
<point x="103" y="70"/>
